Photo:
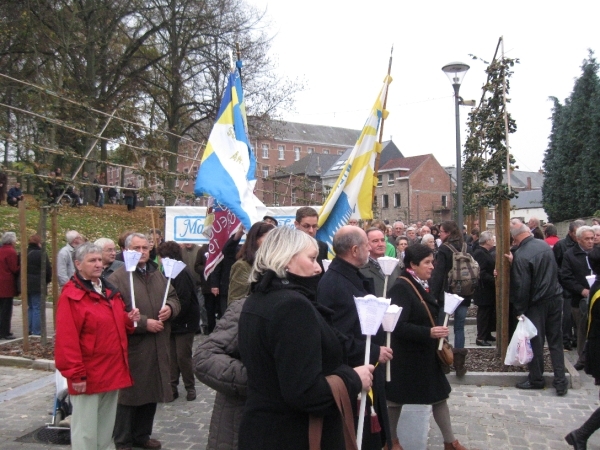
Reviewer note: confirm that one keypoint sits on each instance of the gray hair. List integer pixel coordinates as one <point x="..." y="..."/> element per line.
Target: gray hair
<point x="71" y="235"/>
<point x="85" y="249"/>
<point x="411" y="229"/>
<point x="485" y="236"/>
<point x="398" y="223"/>
<point x="583" y="229"/>
<point x="535" y="221"/>
<point x="515" y="231"/>
<point x="576" y="224"/>
<point x="102" y="242"/>
<point x="426" y="238"/>
<point x="343" y="242"/>
<point x="596" y="228"/>
<point x="137" y="235"/>
<point x="9" y="238"/>
<point x="278" y="249"/>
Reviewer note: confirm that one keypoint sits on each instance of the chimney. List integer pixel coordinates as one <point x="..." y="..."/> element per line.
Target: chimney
<point x="528" y="183"/>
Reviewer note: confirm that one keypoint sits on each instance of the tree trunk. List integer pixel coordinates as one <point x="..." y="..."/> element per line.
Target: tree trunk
<point x="503" y="278"/>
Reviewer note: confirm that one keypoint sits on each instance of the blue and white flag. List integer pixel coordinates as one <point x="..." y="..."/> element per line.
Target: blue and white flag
<point x="228" y="165"/>
<point x="352" y="193"/>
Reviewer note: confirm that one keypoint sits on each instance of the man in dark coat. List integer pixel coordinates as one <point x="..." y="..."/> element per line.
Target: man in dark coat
<point x="307" y="220"/>
<point x="15" y="195"/>
<point x="485" y="295"/>
<point x="575" y="267"/>
<point x="337" y="289"/>
<point x="536" y="293"/>
<point x="109" y="253"/>
<point x="534" y="227"/>
<point x="559" y="249"/>
<point x="372" y="269"/>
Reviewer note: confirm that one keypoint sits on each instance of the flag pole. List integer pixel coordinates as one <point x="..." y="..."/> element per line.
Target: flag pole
<point x="376" y="166"/>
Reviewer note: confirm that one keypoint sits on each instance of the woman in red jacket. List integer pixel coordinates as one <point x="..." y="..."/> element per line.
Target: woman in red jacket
<point x="91" y="349"/>
<point x="9" y="270"/>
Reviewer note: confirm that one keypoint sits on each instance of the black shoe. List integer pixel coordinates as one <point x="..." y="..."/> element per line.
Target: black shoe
<point x="491" y="338"/>
<point x="567" y="346"/>
<point x="573" y="439"/>
<point x="562" y="391"/>
<point x="527" y="385"/>
<point x="191" y="395"/>
<point x="579" y="365"/>
<point x="8" y="338"/>
<point x="483" y="343"/>
<point x="175" y="395"/>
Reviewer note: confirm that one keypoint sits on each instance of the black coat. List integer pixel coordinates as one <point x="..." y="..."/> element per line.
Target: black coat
<point x="575" y="267"/>
<point x="337" y="289"/>
<point x="377" y="277"/>
<point x="592" y="360"/>
<point x="288" y="348"/>
<point x="323" y="253"/>
<point x="485" y="295"/>
<point x="417" y="377"/>
<point x="533" y="275"/>
<point x="439" y="277"/>
<point x="561" y="247"/>
<point x="188" y="319"/>
<point x="537" y="233"/>
<point x="34" y="269"/>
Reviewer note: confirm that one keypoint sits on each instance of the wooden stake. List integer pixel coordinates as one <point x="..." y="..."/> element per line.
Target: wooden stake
<point x="43" y="285"/>
<point x="54" y="240"/>
<point x="24" y="239"/>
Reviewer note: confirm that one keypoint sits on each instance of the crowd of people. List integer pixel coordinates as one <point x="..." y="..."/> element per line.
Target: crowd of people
<point x="284" y="347"/>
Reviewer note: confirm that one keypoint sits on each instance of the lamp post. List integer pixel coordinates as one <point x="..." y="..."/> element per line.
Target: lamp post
<point x="456" y="71"/>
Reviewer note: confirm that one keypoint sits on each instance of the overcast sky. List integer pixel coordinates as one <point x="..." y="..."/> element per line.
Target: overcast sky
<point x="341" y="50"/>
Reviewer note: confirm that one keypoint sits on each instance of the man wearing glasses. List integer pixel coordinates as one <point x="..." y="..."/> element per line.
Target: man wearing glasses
<point x="307" y="220"/>
<point x="109" y="253"/>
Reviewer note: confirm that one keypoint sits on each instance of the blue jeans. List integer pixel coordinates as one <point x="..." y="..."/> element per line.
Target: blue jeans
<point x="459" y="326"/>
<point x="33" y="313"/>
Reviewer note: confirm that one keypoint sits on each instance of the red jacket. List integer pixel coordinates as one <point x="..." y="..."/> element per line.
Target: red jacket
<point x="91" y="337"/>
<point x="552" y="240"/>
<point x="9" y="268"/>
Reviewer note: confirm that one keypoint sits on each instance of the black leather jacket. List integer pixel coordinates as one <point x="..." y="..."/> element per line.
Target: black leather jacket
<point x="575" y="267"/>
<point x="533" y="275"/>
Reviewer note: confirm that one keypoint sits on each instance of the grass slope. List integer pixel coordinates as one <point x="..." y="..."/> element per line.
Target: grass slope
<point x="90" y="221"/>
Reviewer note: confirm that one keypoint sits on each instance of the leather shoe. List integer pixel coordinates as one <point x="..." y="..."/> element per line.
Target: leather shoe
<point x="8" y="338"/>
<point x="483" y="343"/>
<point x="579" y="365"/>
<point x="527" y="385"/>
<point x="191" y="395"/>
<point x="491" y="338"/>
<point x="150" y="443"/>
<point x="562" y="391"/>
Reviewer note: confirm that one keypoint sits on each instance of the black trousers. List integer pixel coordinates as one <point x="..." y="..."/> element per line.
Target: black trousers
<point x="133" y="424"/>
<point x="547" y="319"/>
<point x="211" y="302"/>
<point x="567" y="322"/>
<point x="486" y="321"/>
<point x="6" y="308"/>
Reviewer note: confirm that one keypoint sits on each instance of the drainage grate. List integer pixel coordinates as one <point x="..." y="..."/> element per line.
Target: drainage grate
<point x="46" y="435"/>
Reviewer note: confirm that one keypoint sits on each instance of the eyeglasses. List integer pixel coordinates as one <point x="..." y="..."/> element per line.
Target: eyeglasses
<point x="307" y="226"/>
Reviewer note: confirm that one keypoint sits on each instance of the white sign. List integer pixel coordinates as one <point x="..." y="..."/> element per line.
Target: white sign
<point x="451" y="302"/>
<point x="184" y="224"/>
<point x="131" y="258"/>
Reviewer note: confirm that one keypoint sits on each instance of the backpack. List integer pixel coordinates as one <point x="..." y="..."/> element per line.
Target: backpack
<point x="463" y="278"/>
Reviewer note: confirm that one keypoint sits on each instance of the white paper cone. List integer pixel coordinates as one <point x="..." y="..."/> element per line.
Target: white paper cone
<point x="370" y="312"/>
<point x="451" y="302"/>
<point x="391" y="317"/>
<point x="591" y="279"/>
<point x="326" y="263"/>
<point x="131" y="259"/>
<point x="387" y="264"/>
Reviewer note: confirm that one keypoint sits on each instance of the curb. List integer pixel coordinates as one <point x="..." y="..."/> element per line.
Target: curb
<point x="26" y="363"/>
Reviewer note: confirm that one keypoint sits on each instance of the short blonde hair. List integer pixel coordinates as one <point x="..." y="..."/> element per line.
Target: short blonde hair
<point x="278" y="249"/>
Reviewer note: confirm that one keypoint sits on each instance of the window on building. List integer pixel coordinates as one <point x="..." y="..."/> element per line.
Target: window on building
<point x="281" y="151"/>
<point x="340" y="152"/>
<point x="385" y="201"/>
<point x="296" y="153"/>
<point x="265" y="151"/>
<point x="265" y="171"/>
<point x="194" y="171"/>
<point x="326" y="151"/>
<point x="379" y="180"/>
<point x="293" y="197"/>
<point x="397" y="201"/>
<point x="310" y="150"/>
<point x="444" y="200"/>
<point x="390" y="179"/>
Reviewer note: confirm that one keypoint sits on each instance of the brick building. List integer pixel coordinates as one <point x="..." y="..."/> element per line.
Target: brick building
<point x="412" y="189"/>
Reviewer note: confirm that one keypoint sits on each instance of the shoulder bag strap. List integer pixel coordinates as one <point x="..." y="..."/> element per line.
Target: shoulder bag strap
<point x="592" y="301"/>
<point x="342" y="400"/>
<point x="421" y="298"/>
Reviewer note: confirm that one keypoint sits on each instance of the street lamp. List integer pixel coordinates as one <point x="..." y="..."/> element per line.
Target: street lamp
<point x="456" y="71"/>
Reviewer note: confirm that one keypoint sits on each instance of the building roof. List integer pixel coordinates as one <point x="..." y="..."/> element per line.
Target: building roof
<point x="313" y="165"/>
<point x="518" y="178"/>
<point x="388" y="153"/>
<point x="410" y="163"/>
<point x="316" y="134"/>
<point x="527" y="200"/>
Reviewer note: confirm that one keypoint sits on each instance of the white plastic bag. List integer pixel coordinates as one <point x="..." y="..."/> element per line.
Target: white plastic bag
<point x="519" y="350"/>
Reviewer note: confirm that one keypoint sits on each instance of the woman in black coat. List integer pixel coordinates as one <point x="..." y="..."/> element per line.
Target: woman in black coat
<point x="578" y="438"/>
<point x="34" y="282"/>
<point x="417" y="376"/>
<point x="288" y="348"/>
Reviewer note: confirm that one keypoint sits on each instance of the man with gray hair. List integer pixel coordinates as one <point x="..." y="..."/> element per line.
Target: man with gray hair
<point x="149" y="348"/>
<point x="536" y="293"/>
<point x="485" y="294"/>
<point x="109" y="253"/>
<point x="64" y="260"/>
<point x="397" y="231"/>
<point x="573" y="272"/>
<point x="338" y="286"/>
<point x="534" y="227"/>
<point x="559" y="249"/>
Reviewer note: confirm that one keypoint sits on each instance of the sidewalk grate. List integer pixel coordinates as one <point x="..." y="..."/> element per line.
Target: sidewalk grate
<point x="46" y="435"/>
